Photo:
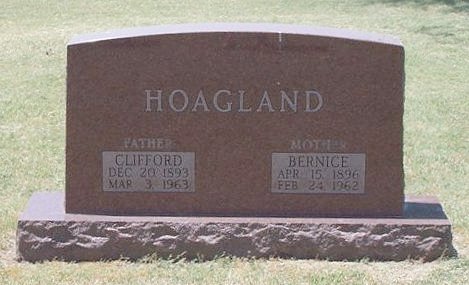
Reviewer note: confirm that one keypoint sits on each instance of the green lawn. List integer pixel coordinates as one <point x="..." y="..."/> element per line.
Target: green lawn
<point x="33" y="36"/>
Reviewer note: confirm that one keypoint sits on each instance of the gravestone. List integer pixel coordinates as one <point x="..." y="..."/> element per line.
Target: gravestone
<point x="229" y="120"/>
<point x="213" y="137"/>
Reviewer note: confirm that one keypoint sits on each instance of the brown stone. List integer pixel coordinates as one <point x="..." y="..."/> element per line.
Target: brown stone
<point x="46" y="232"/>
<point x="228" y="144"/>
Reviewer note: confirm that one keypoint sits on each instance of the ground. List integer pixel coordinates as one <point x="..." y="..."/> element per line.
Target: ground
<point x="33" y="40"/>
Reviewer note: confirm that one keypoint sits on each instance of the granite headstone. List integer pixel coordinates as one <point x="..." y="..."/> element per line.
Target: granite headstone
<point x="253" y="140"/>
<point x="264" y="120"/>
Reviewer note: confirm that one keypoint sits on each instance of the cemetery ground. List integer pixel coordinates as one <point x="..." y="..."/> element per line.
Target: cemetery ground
<point x="436" y="128"/>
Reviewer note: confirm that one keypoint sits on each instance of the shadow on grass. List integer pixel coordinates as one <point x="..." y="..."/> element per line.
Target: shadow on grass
<point x="453" y="5"/>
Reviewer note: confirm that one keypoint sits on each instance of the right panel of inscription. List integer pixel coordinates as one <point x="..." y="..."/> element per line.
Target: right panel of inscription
<point x="318" y="173"/>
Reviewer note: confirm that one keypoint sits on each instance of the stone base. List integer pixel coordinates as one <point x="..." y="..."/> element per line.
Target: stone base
<point x="46" y="232"/>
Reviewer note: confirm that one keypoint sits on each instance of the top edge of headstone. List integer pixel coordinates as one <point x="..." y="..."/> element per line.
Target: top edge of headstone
<point x="235" y="27"/>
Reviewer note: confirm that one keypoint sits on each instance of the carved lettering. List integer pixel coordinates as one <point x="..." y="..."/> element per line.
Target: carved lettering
<point x="224" y="101"/>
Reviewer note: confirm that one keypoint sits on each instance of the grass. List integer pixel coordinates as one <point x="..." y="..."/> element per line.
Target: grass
<point x="32" y="115"/>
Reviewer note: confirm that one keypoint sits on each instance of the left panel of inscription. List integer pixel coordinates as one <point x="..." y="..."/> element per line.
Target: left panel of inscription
<point x="148" y="171"/>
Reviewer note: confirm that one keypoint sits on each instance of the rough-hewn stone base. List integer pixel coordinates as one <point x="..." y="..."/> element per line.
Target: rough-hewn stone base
<point x="45" y="232"/>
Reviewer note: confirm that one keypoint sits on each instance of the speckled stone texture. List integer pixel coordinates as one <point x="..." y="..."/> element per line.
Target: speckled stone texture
<point x="45" y="232"/>
<point x="360" y="77"/>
